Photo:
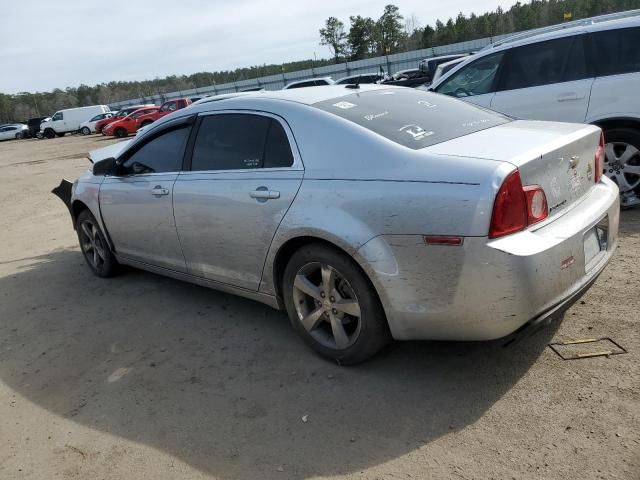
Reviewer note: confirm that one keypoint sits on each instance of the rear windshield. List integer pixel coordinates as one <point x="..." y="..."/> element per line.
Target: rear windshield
<point x="413" y="118"/>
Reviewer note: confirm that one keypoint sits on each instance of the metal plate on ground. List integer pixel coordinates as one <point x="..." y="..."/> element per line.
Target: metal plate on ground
<point x="587" y="348"/>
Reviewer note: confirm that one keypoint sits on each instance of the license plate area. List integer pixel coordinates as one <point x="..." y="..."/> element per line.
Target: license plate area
<point x="596" y="241"/>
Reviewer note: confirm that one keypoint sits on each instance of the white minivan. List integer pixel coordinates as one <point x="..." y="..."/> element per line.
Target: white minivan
<point x="69" y="120"/>
<point x="588" y="72"/>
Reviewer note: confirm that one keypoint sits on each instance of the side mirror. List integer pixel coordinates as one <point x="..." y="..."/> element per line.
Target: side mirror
<point x="104" y="167"/>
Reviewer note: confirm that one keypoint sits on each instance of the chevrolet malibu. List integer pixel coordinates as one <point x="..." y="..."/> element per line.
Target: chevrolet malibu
<point x="368" y="213"/>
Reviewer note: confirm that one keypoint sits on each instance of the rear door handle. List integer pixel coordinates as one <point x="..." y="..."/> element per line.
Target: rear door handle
<point x="158" y="191"/>
<point x="264" y="194"/>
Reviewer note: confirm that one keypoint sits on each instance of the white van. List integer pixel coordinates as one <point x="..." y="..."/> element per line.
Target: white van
<point x="69" y="120"/>
<point x="584" y="72"/>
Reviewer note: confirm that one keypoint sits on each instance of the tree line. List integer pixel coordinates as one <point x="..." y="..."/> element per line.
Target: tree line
<point x="394" y="33"/>
<point x="366" y="37"/>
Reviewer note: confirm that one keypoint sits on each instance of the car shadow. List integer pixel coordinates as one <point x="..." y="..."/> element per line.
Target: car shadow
<point x="223" y="383"/>
<point x="630" y="221"/>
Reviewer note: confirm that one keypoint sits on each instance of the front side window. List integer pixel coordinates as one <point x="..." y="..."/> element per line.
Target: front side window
<point x="160" y="155"/>
<point x="618" y="51"/>
<point x="240" y="142"/>
<point x="477" y="78"/>
<point x="57" y="116"/>
<point x="541" y="63"/>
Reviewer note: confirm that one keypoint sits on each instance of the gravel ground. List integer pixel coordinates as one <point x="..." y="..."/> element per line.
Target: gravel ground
<point x="141" y="376"/>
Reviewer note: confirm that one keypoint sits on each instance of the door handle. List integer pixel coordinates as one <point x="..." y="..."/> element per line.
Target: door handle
<point x="158" y="191"/>
<point x="263" y="194"/>
<point x="565" y="97"/>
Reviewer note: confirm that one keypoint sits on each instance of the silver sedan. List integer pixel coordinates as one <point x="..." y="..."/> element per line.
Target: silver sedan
<point x="367" y="213"/>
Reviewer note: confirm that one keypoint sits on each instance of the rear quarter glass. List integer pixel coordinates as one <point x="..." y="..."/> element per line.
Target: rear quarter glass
<point x="413" y="118"/>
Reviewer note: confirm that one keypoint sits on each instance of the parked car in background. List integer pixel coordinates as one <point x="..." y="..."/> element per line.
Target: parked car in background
<point x="33" y="125"/>
<point x="128" y="125"/>
<point x="589" y="72"/>
<point x="90" y="125"/>
<point x="14" y="131"/>
<point x="428" y="66"/>
<point x="120" y="114"/>
<point x="411" y="77"/>
<point x="277" y="197"/>
<point x="312" y="82"/>
<point x="361" y="78"/>
<point x="69" y="120"/>
<point x="165" y="109"/>
<point x="445" y="67"/>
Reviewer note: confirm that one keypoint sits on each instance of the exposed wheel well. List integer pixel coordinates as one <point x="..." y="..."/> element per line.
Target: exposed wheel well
<point x="76" y="208"/>
<point x="618" y="123"/>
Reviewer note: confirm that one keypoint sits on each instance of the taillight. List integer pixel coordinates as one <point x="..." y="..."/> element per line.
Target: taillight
<point x="599" y="163"/>
<point x="516" y="207"/>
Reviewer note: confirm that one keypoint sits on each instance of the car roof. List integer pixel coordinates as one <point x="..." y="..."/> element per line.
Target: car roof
<point x="604" y="22"/>
<point x="593" y="24"/>
<point x="305" y="95"/>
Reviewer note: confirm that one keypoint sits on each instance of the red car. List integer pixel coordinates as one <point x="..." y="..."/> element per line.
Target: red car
<point x="129" y="124"/>
<point x="118" y="116"/>
<point x="165" y="109"/>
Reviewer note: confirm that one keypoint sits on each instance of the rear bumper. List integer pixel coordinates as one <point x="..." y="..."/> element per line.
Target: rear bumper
<point x="486" y="289"/>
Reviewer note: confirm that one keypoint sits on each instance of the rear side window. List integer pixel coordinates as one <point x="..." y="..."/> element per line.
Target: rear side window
<point x="239" y="142"/>
<point x="541" y="63"/>
<point x="277" y="151"/>
<point x="160" y="155"/>
<point x="618" y="51"/>
<point x="413" y="118"/>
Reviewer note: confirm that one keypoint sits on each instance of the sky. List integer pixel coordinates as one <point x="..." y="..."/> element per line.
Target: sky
<point x="72" y="42"/>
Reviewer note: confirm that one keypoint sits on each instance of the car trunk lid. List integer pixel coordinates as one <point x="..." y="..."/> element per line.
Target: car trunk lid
<point x="560" y="157"/>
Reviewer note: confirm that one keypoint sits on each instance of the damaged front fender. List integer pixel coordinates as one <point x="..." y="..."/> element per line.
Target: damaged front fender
<point x="64" y="192"/>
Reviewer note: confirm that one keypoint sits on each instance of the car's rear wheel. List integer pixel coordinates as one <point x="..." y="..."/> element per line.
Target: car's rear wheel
<point x="333" y="306"/>
<point x="120" y="132"/>
<point x="145" y="123"/>
<point x="19" y="136"/>
<point x="85" y="130"/>
<point x="622" y="158"/>
<point x="94" y="246"/>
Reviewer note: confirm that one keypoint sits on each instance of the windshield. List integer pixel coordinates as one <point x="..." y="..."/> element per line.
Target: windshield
<point x="413" y="118"/>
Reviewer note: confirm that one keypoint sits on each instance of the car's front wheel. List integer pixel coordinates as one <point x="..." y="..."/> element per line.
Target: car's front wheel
<point x="333" y="306"/>
<point x="85" y="131"/>
<point x="94" y="246"/>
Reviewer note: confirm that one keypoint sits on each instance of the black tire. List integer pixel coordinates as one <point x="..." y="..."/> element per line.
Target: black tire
<point x="49" y="133"/>
<point x="366" y="334"/>
<point x="120" y="132"/>
<point x="19" y="136"/>
<point x="94" y="246"/>
<point x="145" y="123"/>
<point x="623" y="136"/>
<point x="85" y="131"/>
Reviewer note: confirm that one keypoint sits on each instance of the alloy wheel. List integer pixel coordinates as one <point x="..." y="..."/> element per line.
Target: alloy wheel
<point x="327" y="306"/>
<point x="91" y="243"/>
<point x="622" y="165"/>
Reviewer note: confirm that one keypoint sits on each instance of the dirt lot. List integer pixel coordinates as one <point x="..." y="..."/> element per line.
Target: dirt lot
<point x="141" y="376"/>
